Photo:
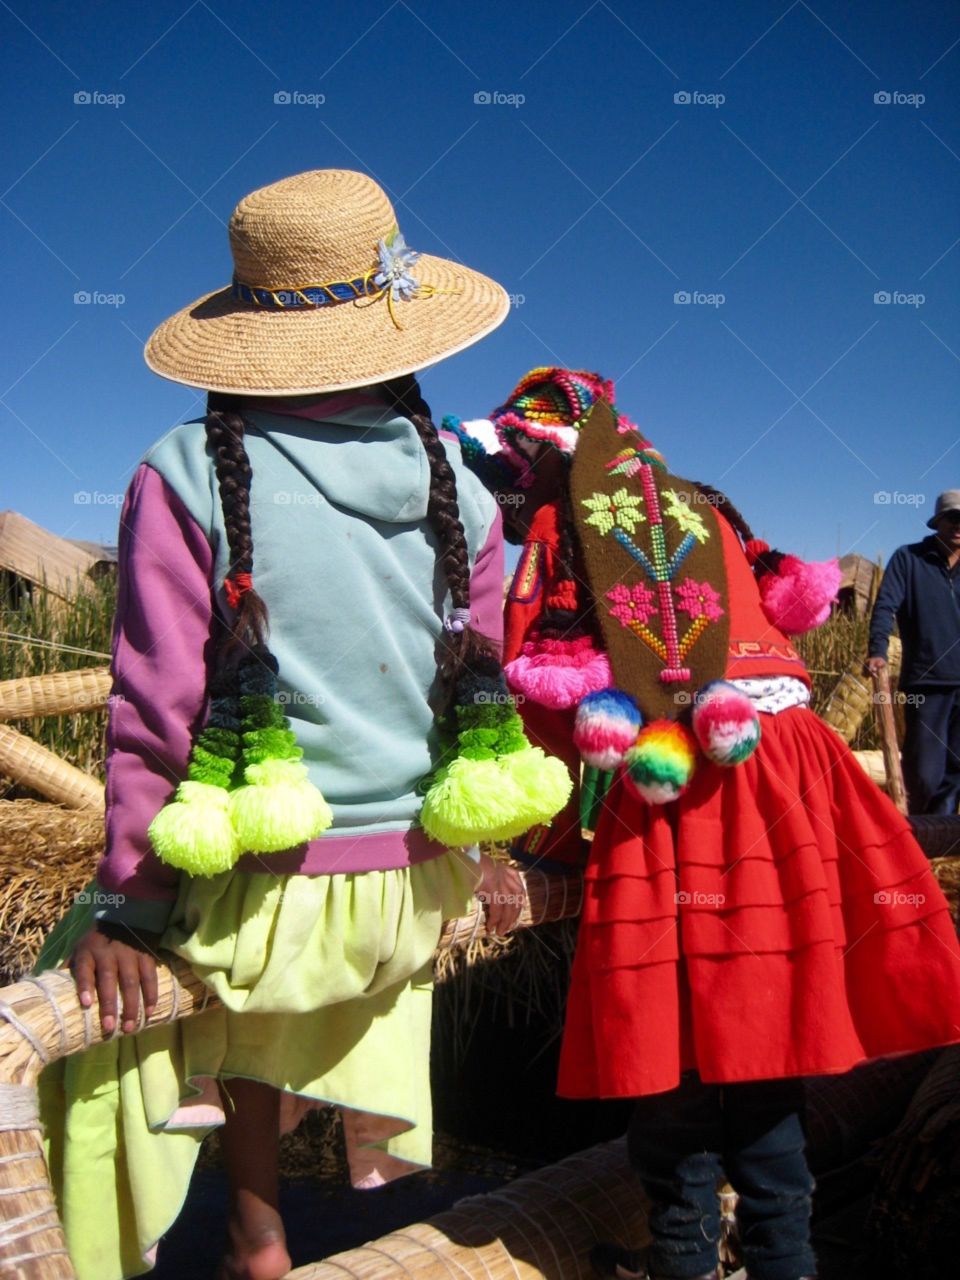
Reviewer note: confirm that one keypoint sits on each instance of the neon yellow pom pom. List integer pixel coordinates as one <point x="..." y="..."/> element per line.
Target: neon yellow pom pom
<point x="469" y="801"/>
<point x="194" y="832"/>
<point x="278" y="808"/>
<point x="544" y="783"/>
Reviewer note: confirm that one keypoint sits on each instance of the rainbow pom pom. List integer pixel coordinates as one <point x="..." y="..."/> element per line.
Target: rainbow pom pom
<point x="606" y="727"/>
<point x="725" y="723"/>
<point x="661" y="763"/>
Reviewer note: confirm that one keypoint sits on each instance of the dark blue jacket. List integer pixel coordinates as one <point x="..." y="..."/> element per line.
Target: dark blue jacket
<point x="924" y="596"/>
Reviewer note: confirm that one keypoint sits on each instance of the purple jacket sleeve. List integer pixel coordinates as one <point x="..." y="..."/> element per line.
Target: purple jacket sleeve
<point x="486" y="585"/>
<point x="160" y="635"/>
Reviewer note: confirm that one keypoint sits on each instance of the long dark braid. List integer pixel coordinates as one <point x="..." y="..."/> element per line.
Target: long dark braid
<point x="763" y="562"/>
<point x="225" y="427"/>
<point x="459" y="650"/>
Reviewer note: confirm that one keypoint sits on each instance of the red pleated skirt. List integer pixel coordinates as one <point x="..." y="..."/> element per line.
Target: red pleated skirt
<point x="779" y="919"/>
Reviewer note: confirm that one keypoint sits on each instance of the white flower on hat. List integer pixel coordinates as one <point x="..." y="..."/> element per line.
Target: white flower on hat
<point x="395" y="262"/>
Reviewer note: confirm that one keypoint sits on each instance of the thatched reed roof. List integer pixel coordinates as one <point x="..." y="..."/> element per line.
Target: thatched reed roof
<point x="35" y="554"/>
<point x="859" y="583"/>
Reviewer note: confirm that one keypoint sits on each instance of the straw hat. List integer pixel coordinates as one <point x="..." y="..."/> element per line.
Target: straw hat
<point x="326" y="295"/>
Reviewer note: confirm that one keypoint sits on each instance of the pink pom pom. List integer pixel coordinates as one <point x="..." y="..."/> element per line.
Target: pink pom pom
<point x="798" y="596"/>
<point x="558" y="673"/>
<point x="725" y="723"/>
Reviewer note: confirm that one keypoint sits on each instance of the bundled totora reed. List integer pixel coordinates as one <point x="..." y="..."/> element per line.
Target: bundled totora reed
<point x="47" y="855"/>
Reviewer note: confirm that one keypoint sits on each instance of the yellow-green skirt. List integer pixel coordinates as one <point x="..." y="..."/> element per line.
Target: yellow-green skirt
<point x="327" y="984"/>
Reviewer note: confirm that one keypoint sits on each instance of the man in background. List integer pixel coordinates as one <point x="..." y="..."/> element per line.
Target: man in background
<point x="921" y="591"/>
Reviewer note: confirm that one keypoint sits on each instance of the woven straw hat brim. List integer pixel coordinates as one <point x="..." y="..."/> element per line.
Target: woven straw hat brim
<point x="222" y="344"/>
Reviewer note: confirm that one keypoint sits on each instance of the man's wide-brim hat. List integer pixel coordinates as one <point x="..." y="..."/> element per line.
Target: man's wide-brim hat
<point x="325" y="295"/>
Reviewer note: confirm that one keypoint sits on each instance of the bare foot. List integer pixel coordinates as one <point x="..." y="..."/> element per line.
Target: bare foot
<point x="257" y="1249"/>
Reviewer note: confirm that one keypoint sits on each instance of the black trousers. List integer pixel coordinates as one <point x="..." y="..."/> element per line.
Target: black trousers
<point x="931" y="749"/>
<point x="682" y="1143"/>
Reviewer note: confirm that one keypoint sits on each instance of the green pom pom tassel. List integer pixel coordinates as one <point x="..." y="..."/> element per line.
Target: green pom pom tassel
<point x="543" y="781"/>
<point x="270" y="744"/>
<point x="194" y="832"/>
<point x="479" y="744"/>
<point x="497" y="786"/>
<point x="468" y="801"/>
<point x="511" y="736"/>
<point x="278" y="808"/>
<point x="485" y="715"/>
<point x="472" y="800"/>
<point x="215" y="770"/>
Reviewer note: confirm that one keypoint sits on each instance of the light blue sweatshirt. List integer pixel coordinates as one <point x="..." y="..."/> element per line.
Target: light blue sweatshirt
<point x="346" y="562"/>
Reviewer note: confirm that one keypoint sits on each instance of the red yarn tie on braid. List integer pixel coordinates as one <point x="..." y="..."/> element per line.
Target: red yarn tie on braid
<point x="236" y="587"/>
<point x="563" y="595"/>
<point x="754" y="549"/>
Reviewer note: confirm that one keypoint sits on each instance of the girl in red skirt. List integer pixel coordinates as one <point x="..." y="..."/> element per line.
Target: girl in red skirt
<point x="755" y="910"/>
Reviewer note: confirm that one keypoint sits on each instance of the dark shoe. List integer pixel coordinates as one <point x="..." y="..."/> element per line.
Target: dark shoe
<point x="610" y="1262"/>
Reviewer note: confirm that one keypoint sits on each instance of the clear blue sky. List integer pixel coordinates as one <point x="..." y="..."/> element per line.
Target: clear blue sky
<point x="595" y="201"/>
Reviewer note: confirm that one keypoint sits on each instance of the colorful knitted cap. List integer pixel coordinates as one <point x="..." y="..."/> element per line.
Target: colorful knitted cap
<point x="548" y="406"/>
<point x="552" y="404"/>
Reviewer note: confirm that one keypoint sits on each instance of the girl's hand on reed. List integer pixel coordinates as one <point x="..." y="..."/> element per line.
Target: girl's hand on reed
<point x="106" y="964"/>
<point x="502" y="893"/>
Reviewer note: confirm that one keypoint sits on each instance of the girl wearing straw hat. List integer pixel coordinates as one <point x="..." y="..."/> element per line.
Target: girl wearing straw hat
<point x="755" y="909"/>
<point x="310" y="731"/>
